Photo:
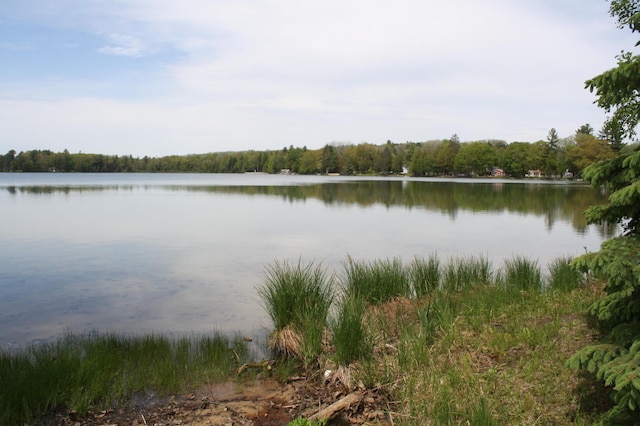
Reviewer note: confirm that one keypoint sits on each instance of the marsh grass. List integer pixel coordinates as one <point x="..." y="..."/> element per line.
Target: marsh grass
<point x="349" y="336"/>
<point x="522" y="274"/>
<point x="425" y="275"/>
<point x="563" y="276"/>
<point x="297" y="298"/>
<point x="80" y="371"/>
<point x="378" y="281"/>
<point x="463" y="272"/>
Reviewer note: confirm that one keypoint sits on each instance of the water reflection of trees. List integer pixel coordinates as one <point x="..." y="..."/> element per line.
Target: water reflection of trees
<point x="65" y="189"/>
<point x="564" y="203"/>
<point x="553" y="202"/>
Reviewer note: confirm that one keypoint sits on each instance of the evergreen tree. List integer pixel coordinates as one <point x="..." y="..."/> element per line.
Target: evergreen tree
<point x="616" y="358"/>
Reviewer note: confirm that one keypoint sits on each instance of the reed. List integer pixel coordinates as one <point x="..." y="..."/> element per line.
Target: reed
<point x="563" y="276"/>
<point x="80" y="371"/>
<point x="349" y="337"/>
<point x="464" y="272"/>
<point x="425" y="275"/>
<point x="378" y="281"/>
<point x="522" y="274"/>
<point x="297" y="298"/>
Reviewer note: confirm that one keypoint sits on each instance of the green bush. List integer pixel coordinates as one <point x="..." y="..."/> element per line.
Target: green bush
<point x="615" y="360"/>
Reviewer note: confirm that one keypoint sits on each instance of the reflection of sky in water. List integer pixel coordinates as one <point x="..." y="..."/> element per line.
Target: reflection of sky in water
<point x="143" y="260"/>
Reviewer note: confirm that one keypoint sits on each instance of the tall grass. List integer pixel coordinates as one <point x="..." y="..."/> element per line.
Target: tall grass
<point x="522" y="274"/>
<point x="464" y="272"/>
<point x="425" y="275"/>
<point x="297" y="298"/>
<point x="563" y="276"/>
<point x="80" y="371"/>
<point x="376" y="282"/>
<point x="349" y="336"/>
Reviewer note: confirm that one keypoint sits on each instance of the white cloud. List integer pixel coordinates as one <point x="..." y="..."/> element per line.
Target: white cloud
<point x="123" y="45"/>
<point x="264" y="74"/>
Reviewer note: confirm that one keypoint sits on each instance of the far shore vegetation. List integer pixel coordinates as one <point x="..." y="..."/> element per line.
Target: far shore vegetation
<point x="553" y="157"/>
<point x="455" y="342"/>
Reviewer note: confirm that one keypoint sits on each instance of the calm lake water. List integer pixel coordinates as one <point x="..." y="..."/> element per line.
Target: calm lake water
<point x="173" y="253"/>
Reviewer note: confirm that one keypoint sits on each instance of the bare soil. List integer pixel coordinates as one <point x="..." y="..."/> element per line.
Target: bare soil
<point x="257" y="403"/>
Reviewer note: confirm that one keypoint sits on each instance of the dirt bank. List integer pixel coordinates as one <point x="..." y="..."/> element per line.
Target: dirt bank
<point x="263" y="402"/>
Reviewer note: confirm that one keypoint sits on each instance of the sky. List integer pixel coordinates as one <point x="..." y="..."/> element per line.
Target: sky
<point x="164" y="77"/>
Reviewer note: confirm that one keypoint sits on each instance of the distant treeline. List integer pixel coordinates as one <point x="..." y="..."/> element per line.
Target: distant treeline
<point x="447" y="157"/>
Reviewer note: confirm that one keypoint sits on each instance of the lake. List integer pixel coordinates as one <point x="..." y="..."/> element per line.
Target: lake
<point x="184" y="253"/>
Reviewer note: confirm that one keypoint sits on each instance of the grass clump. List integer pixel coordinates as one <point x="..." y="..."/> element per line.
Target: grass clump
<point x="82" y="371"/>
<point x="378" y="281"/>
<point x="464" y="272"/>
<point x="562" y="275"/>
<point x="297" y="298"/>
<point x="522" y="274"/>
<point x="425" y="275"/>
<point x="350" y="338"/>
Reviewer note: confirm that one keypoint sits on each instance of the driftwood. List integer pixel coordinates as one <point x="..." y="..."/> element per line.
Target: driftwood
<point x="266" y="364"/>
<point x="332" y="410"/>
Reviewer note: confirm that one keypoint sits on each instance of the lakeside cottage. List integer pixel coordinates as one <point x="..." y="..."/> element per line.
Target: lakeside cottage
<point x="497" y="172"/>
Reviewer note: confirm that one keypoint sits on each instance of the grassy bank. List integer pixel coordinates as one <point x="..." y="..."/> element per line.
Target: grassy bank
<point x="456" y="342"/>
<point x="461" y="342"/>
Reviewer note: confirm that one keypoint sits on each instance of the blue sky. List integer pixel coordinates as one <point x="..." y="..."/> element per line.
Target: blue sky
<point x="161" y="77"/>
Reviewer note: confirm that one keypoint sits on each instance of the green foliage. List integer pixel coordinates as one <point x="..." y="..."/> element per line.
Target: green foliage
<point x="618" y="263"/>
<point x="621" y="176"/>
<point x="431" y="158"/>
<point x="616" y="359"/>
<point x="476" y="158"/>
<point x="517" y="159"/>
<point x="588" y="150"/>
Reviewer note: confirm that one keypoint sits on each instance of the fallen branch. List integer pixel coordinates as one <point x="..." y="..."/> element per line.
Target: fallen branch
<point x="332" y="410"/>
<point x="266" y="364"/>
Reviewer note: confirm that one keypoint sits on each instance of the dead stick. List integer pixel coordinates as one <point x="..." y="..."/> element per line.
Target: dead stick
<point x="330" y="412"/>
